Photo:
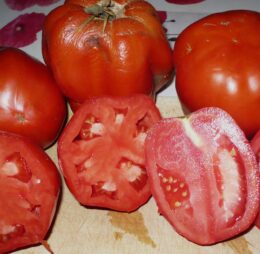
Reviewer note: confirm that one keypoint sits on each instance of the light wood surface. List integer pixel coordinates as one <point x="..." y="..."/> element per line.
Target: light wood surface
<point x="80" y="230"/>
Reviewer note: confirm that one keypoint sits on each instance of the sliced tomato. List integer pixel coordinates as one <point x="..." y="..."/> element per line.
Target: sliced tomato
<point x="101" y="151"/>
<point x="255" y="143"/>
<point x="29" y="188"/>
<point x="203" y="175"/>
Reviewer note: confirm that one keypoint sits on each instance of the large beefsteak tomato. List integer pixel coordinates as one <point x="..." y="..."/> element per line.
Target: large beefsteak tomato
<point x="31" y="104"/>
<point x="115" y="48"/>
<point x="101" y="151"/>
<point x="203" y="175"/>
<point x="29" y="188"/>
<point x="217" y="61"/>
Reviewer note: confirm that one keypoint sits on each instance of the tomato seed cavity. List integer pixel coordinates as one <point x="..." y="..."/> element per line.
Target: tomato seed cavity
<point x="175" y="189"/>
<point x="104" y="188"/>
<point x="26" y="204"/>
<point x="120" y="115"/>
<point x="91" y="128"/>
<point x="12" y="231"/>
<point x="15" y="166"/>
<point x="134" y="173"/>
<point x="85" y="165"/>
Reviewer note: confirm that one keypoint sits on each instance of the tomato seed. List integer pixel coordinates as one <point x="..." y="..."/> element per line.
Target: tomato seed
<point x="170" y="179"/>
<point x="233" y="152"/>
<point x="184" y="194"/>
<point x="177" y="204"/>
<point x="181" y="185"/>
<point x="164" y="180"/>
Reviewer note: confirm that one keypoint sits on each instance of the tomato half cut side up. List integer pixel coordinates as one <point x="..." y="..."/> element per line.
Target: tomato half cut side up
<point x="101" y="152"/>
<point x="29" y="191"/>
<point x="255" y="143"/>
<point x="203" y="175"/>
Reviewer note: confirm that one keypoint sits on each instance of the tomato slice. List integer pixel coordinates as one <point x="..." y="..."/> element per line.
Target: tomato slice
<point x="29" y="191"/>
<point x="203" y="175"/>
<point x="101" y="151"/>
<point x="255" y="143"/>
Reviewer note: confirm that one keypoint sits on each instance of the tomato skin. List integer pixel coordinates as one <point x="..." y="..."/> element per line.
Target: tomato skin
<point x="27" y="204"/>
<point x="31" y="103"/>
<point x="101" y="152"/>
<point x="202" y="198"/>
<point x="96" y="62"/>
<point x="217" y="65"/>
<point x="255" y="143"/>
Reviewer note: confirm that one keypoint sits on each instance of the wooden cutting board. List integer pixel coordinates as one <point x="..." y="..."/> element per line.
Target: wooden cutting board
<point x="80" y="230"/>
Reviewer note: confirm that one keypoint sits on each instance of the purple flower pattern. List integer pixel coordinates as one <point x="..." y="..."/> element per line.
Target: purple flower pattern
<point x="23" y="4"/>
<point x="22" y="31"/>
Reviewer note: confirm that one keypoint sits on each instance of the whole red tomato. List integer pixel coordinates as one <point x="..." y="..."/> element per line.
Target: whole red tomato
<point x="31" y="103"/>
<point x="217" y="61"/>
<point x="103" y="47"/>
<point x="30" y="186"/>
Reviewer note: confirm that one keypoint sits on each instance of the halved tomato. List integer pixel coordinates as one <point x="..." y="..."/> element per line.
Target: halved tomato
<point x="203" y="175"/>
<point x="255" y="143"/>
<point x="101" y="151"/>
<point x="29" y="188"/>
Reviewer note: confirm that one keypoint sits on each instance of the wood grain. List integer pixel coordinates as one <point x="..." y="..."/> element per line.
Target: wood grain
<point x="80" y="230"/>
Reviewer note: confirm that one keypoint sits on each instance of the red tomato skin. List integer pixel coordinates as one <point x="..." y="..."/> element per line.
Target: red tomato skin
<point x="255" y="143"/>
<point x="120" y="143"/>
<point x="31" y="103"/>
<point x="15" y="194"/>
<point x="203" y="227"/>
<point x="217" y="65"/>
<point x="96" y="62"/>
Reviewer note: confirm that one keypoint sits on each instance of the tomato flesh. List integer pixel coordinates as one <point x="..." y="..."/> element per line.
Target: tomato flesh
<point x="203" y="175"/>
<point x="255" y="143"/>
<point x="101" y="151"/>
<point x="28" y="195"/>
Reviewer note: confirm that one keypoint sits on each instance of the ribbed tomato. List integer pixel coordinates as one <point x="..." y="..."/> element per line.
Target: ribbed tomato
<point x="115" y="47"/>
